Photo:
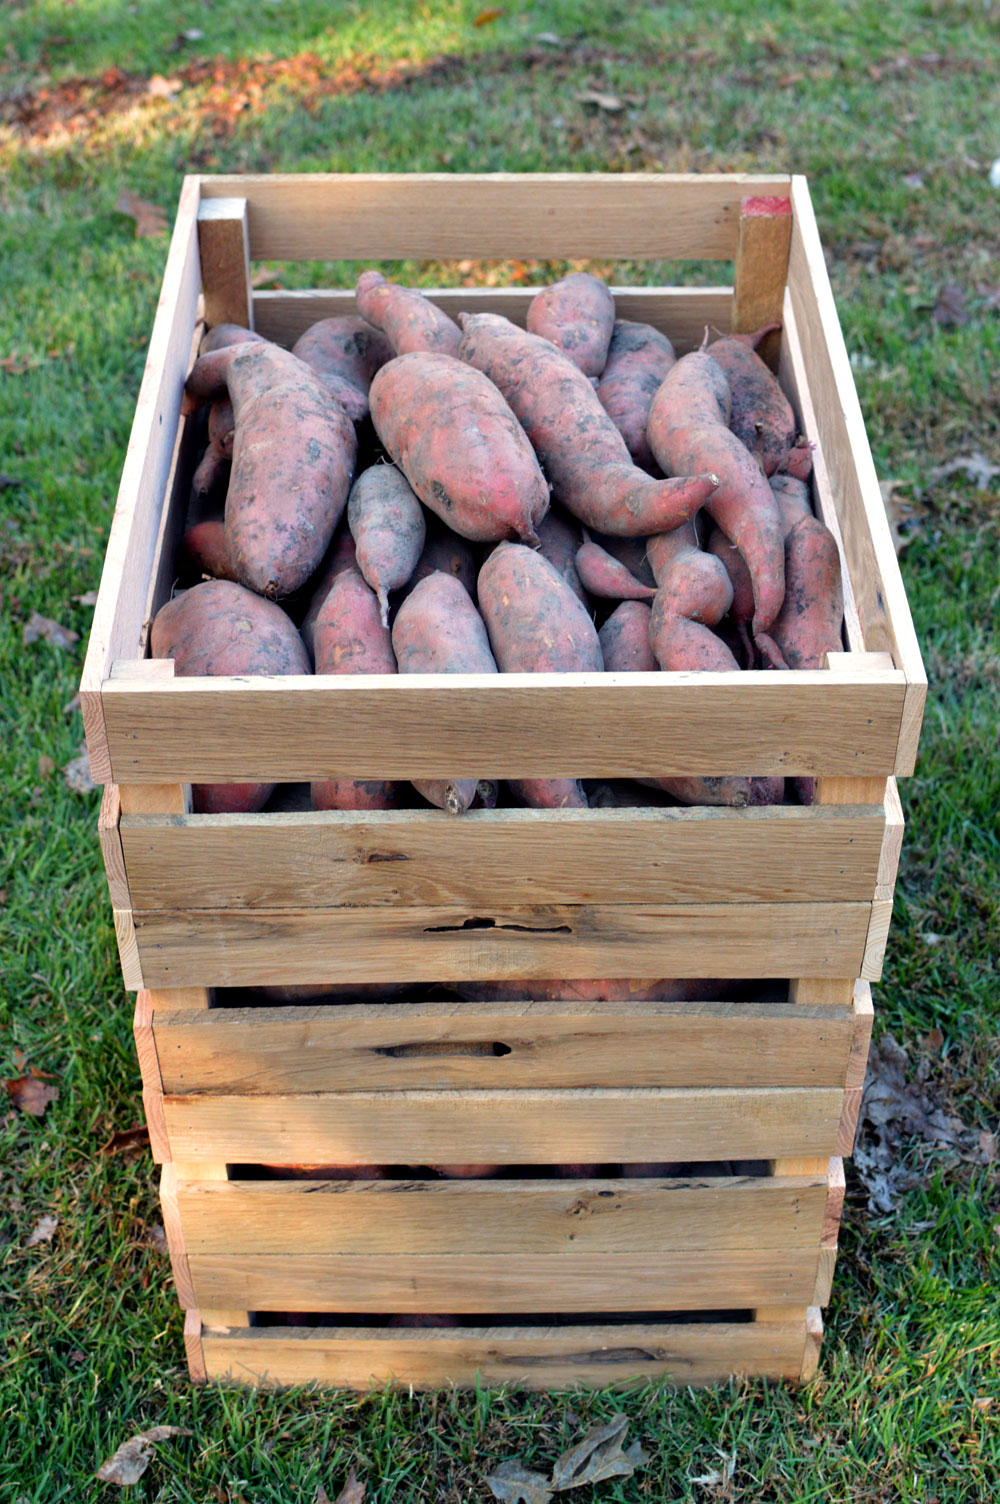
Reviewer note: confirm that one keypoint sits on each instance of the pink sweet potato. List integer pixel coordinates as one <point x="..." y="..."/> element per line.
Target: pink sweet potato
<point x="293" y="458"/>
<point x="559" y="537"/>
<point x="410" y="321"/>
<point x="631" y="552"/>
<point x="387" y="525"/>
<point x="760" y="416"/>
<point x="810" y="622"/>
<point x="346" y="352"/>
<point x="638" y="359"/>
<point x="340" y="555"/>
<point x="688" y="429"/>
<point x="460" y="447"/>
<point x="203" y="551"/>
<point x="220" y="336"/>
<point x="549" y="793"/>
<point x="214" y="465"/>
<point x="624" y="640"/>
<point x="606" y="577"/>
<point x="581" y="450"/>
<point x="577" y="314"/>
<point x="447" y="552"/>
<point x="220" y="628"/>
<point x="439" y="631"/>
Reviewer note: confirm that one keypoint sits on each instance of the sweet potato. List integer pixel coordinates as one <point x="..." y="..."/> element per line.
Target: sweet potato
<point x="602" y="990"/>
<point x="559" y="537"/>
<point x="410" y="321"/>
<point x="606" y="577"/>
<point x="203" y="551"/>
<point x="760" y="416"/>
<point x="467" y="1172"/>
<point x="293" y="460"/>
<point x="348" y="636"/>
<point x="387" y="524"/>
<point x="688" y="429"/>
<point x="549" y="793"/>
<point x="213" y="468"/>
<point x="581" y="450"/>
<point x="439" y="631"/>
<point x="631" y="552"/>
<point x="577" y="314"/>
<point x="221" y="336"/>
<point x="810" y="622"/>
<point x="220" y="628"/>
<point x="346" y="352"/>
<point x="638" y="359"/>
<point x="460" y="447"/>
<point x="447" y="552"/>
<point x="624" y="640"/>
<point x="694" y="583"/>
<point x="340" y="555"/>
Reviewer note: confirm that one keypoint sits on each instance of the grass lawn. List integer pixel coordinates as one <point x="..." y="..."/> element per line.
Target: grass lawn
<point x="893" y="112"/>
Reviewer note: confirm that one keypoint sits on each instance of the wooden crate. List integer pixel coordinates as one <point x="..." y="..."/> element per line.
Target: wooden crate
<point x="802" y="895"/>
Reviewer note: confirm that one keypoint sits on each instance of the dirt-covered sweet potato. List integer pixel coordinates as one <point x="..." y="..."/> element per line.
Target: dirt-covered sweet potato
<point x="294" y="452"/>
<point x="203" y="551"/>
<point x="213" y="468"/>
<point x="220" y="336"/>
<point x="638" y="359"/>
<point x="460" y="447"/>
<point x="559" y="537"/>
<point x="439" y="631"/>
<point x="577" y="314"/>
<point x="346" y="352"/>
<point x="810" y="622"/>
<point x="387" y="524"/>
<point x="216" y="628"/>
<point x="760" y="414"/>
<point x="409" y="320"/>
<point x="581" y="450"/>
<point x="624" y="640"/>
<point x="447" y="552"/>
<point x="606" y="577"/>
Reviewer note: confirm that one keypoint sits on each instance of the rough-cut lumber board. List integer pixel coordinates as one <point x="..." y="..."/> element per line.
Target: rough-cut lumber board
<point x="892" y="841"/>
<point x="224" y="244"/>
<point x="381" y="1046"/>
<point x="834" y="1209"/>
<point x="814" y="1340"/>
<point x="493" y="216"/>
<point x="505" y="1285"/>
<point x="531" y="1357"/>
<point x="154" y="800"/>
<point x="111" y="847"/>
<point x="822" y="992"/>
<point x="554" y="1217"/>
<point x="504" y="1127"/>
<point x="825" y="1270"/>
<point x="128" y="951"/>
<point x="878" y="584"/>
<point x="118" y="615"/>
<point x="149" y="1070"/>
<point x="173" y="1226"/>
<point x="332" y="857"/>
<point x="555" y="725"/>
<point x="680" y="312"/>
<point x="864" y="1017"/>
<point x="242" y="948"/>
<point x="192" y="1347"/>
<point x="761" y="267"/>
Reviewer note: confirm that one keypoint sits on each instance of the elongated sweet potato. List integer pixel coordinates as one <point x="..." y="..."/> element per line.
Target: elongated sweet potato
<point x="638" y="359"/>
<point x="439" y="631"/>
<point x="346" y="352"/>
<point x="460" y="447"/>
<point x="581" y="450"/>
<point x="293" y="458"/>
<point x="631" y="552"/>
<point x="606" y="577"/>
<point x="577" y="314"/>
<point x="340" y="555"/>
<point x="810" y="622"/>
<point x="349" y="637"/>
<point x="624" y="640"/>
<point x="549" y="793"/>
<point x="559" y="536"/>
<point x="409" y="320"/>
<point x="220" y="336"/>
<point x="220" y="628"/>
<point x="447" y="552"/>
<point x="760" y="415"/>
<point x="387" y="525"/>
<point x="203" y="551"/>
<point x="688" y="427"/>
<point x="213" y="468"/>
<point x="600" y="990"/>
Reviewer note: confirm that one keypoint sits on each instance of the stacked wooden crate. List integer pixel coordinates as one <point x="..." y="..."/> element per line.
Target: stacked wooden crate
<point x="691" y="1276"/>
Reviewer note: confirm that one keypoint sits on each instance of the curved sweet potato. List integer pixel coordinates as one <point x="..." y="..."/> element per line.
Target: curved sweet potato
<point x="583" y="453"/>
<point x="346" y="352"/>
<point x="559" y="537"/>
<point x="624" y="640"/>
<point x="460" y="447"/>
<point x="638" y="359"/>
<point x="215" y="462"/>
<point x="220" y="336"/>
<point x="293" y="458"/>
<point x="810" y="622"/>
<point x="761" y="415"/>
<point x="387" y="524"/>
<point x="577" y="314"/>
<point x="409" y="320"/>
<point x="606" y="577"/>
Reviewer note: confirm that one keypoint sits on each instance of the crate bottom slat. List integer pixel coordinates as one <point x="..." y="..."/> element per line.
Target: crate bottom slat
<point x="525" y="1357"/>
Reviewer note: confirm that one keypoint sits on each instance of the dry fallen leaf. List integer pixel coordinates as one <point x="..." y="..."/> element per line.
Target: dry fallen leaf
<point x="163" y="88"/>
<point x="17" y="365"/>
<point x="598" y="1456"/>
<point x="157" y="1238"/>
<point x="486" y="16"/>
<point x="126" y="1139"/>
<point x="31" y="1095"/>
<point x="42" y="1232"/>
<point x="352" y="1492"/>
<point x="43" y="629"/>
<point x="987" y="1147"/>
<point x="45" y="765"/>
<point x="950" y="309"/>
<point x="975" y="467"/>
<point x="718" y="1480"/>
<point x="127" y="1465"/>
<point x="513" y="1483"/>
<point x="609" y="102"/>
<point x="149" y="218"/>
<point x="77" y="772"/>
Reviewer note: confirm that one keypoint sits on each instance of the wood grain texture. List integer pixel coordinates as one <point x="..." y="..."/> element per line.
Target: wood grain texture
<point x="118" y="615"/>
<point x="238" y="948"/>
<point x="224" y="245"/>
<point x="555" y="725"/>
<point x="383" y="1046"/>
<point x="834" y="1209"/>
<point x="813" y="1343"/>
<point x="504" y="1284"/>
<point x="381" y="1218"/>
<point x="892" y="842"/>
<point x="111" y="847"/>
<point x="404" y="857"/>
<point x="823" y="1289"/>
<point x="761" y="270"/>
<point x="822" y="992"/>
<point x="197" y="1372"/>
<point x="529" y="1357"/>
<point x="173" y="1226"/>
<point x="504" y="1127"/>
<point x="128" y="951"/>
<point x="493" y="216"/>
<point x="679" y="312"/>
<point x="149" y="1070"/>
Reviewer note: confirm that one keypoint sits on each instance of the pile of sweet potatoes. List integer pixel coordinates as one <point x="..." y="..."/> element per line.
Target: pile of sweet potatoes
<point x="402" y="493"/>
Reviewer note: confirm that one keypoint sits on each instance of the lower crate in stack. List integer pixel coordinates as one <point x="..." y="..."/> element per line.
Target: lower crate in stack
<point x="666" y="1207"/>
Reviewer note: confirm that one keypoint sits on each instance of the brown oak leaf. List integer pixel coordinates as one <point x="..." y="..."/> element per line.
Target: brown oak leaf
<point x="149" y="218"/>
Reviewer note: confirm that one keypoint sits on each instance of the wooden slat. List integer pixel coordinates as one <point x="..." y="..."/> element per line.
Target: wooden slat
<point x="111" y="847"/>
<point x="128" y="951"/>
<point x="834" y="1209"/>
<point x="500" y="1284"/>
<point x="240" y="948"/>
<point x="878" y="585"/>
<point x="404" y="857"/>
<point x="384" y="216"/>
<point x="224" y="244"/>
<point x="504" y="1127"/>
<point x="532" y="1357"/>
<point x="149" y="1070"/>
<point x="554" y="1217"/>
<point x="554" y="725"/>
<point x="680" y="312"/>
<point x="814" y="1341"/>
<point x="765" y="228"/>
<point x="383" y="1046"/>
<point x="192" y="1347"/>
<point x="892" y="841"/>
<point x="118" y="615"/>
<point x="173" y="1226"/>
<point x="864" y="1017"/>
